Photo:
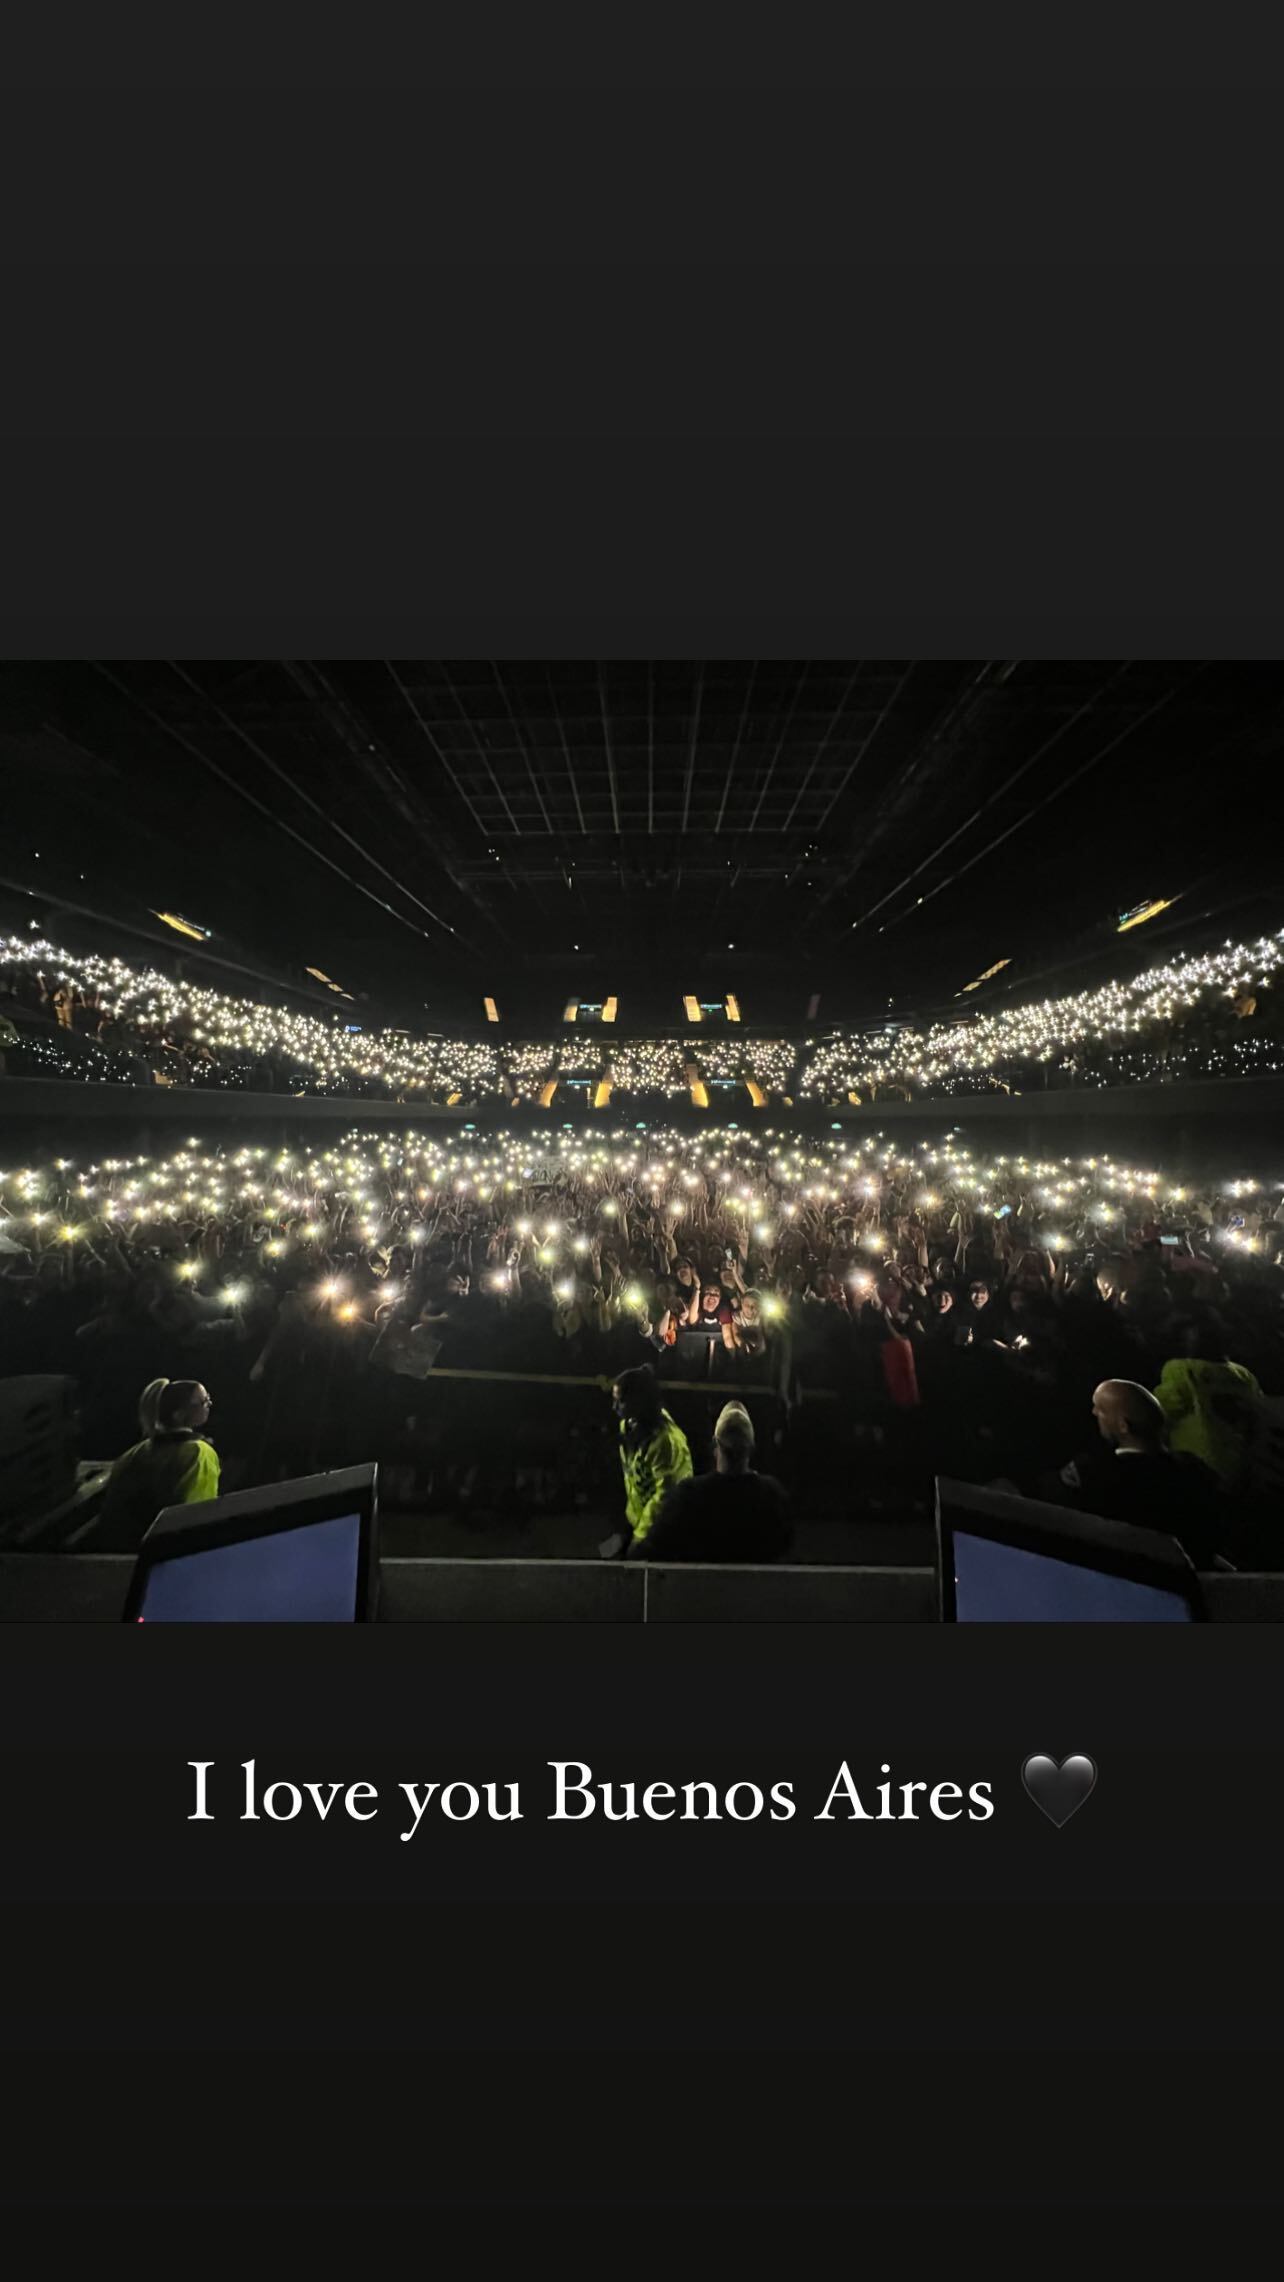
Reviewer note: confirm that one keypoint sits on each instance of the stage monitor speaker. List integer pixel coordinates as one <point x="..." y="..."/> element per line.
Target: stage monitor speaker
<point x="299" y="1552"/>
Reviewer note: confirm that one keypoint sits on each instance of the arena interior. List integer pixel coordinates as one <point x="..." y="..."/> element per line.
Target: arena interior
<point x="656" y="1124"/>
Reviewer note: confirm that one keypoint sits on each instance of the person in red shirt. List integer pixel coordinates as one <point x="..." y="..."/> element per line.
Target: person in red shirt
<point x="896" y="1355"/>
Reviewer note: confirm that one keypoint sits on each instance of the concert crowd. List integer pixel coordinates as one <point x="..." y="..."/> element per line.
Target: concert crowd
<point x="884" y="1312"/>
<point x="79" y="1017"/>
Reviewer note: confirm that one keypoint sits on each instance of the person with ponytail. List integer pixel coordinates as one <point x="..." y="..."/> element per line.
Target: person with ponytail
<point x="172" y="1465"/>
<point x="147" y="1402"/>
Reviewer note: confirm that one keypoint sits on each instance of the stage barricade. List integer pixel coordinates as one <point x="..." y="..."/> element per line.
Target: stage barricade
<point x="691" y="1593"/>
<point x="88" y="1588"/>
<point x="436" y="1590"/>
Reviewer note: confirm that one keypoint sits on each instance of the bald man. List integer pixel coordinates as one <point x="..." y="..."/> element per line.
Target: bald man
<point x="732" y="1514"/>
<point x="1128" y="1416"/>
<point x="1129" y="1473"/>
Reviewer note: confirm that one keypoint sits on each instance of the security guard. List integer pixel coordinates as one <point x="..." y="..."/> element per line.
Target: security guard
<point x="654" y="1455"/>
<point x="173" y="1466"/>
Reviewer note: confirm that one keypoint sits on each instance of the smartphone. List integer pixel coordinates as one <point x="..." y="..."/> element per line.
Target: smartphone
<point x="1003" y="1211"/>
<point x="1170" y="1239"/>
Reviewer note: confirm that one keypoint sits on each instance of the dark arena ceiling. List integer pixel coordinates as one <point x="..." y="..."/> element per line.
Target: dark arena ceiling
<point x="825" y="840"/>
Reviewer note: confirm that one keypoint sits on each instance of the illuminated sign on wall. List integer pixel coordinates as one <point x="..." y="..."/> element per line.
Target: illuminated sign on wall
<point x="996" y="969"/>
<point x="183" y="926"/>
<point x="1141" y="912"/>
<point x="323" y="977"/>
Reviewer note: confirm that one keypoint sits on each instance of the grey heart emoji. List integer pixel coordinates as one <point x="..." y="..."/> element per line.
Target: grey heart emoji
<point x="1059" y="1790"/>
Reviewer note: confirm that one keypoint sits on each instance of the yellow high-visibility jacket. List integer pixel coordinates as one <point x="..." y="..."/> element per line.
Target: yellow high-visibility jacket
<point x="650" y="1470"/>
<point x="1213" y="1412"/>
<point x="167" y="1469"/>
